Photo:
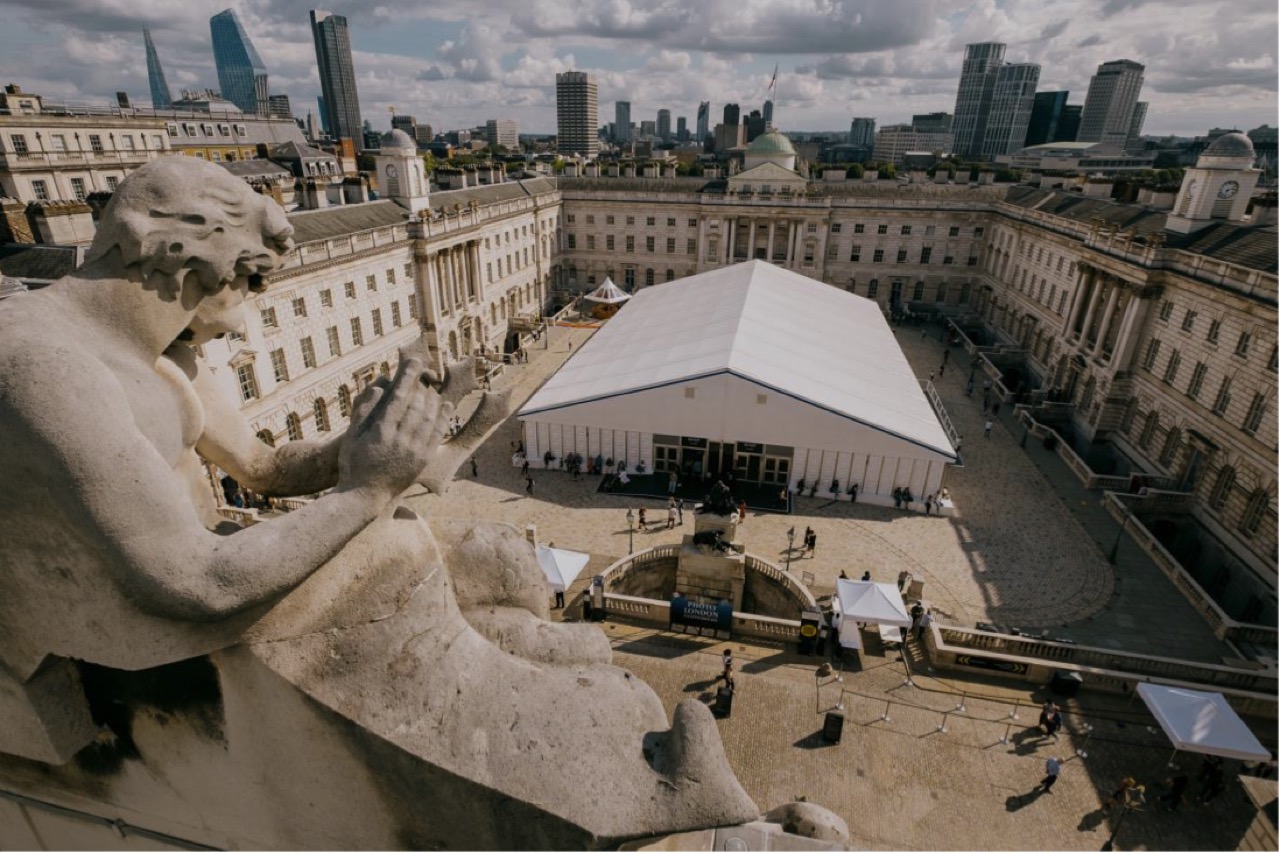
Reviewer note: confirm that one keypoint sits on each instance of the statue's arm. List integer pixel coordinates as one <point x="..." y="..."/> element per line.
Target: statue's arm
<point x="295" y="468"/>
<point x="141" y="516"/>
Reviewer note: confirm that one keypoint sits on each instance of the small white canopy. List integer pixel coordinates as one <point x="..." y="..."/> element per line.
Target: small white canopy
<point x="1201" y="722"/>
<point x="561" y="566"/>
<point x="870" y="602"/>
<point x="609" y="293"/>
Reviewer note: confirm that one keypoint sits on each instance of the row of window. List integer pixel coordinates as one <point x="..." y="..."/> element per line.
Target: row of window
<point x="1214" y="331"/>
<point x="1222" y="400"/>
<point x="905" y="230"/>
<point x="878" y="256"/>
<point x="299" y="304"/>
<point x="610" y="219"/>
<point x="193" y="129"/>
<point x="79" y="190"/>
<point x="58" y="143"/>
<point x="1256" y="510"/>
<point x="306" y="347"/>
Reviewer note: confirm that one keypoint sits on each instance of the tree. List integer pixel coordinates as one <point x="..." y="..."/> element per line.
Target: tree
<point x="366" y="163"/>
<point x="558" y="165"/>
<point x="856" y="170"/>
<point x="429" y="162"/>
<point x="1167" y="160"/>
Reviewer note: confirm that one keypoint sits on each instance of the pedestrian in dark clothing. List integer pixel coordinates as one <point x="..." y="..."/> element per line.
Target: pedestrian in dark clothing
<point x="680" y="511"/>
<point x="643" y="522"/>
<point x="524" y="468"/>
<point x="897" y="498"/>
<point x="995" y="409"/>
<point x="586" y="605"/>
<point x="1177" y="791"/>
<point x="726" y="664"/>
<point x="813" y="542"/>
<point x="1052" y="768"/>
<point x="560" y="599"/>
<point x="475" y="471"/>
<point x="942" y="369"/>
<point x="528" y="485"/>
<point x="1054" y="723"/>
<point x="853" y="492"/>
<point x="866" y="576"/>
<point x="928" y="504"/>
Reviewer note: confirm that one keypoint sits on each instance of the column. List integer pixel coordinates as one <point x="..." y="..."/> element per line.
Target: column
<point x="1087" y="275"/>
<point x="797" y="228"/>
<point x="474" y="256"/>
<point x="768" y="251"/>
<point x="751" y="238"/>
<point x="733" y="232"/>
<point x="1130" y="329"/>
<point x="428" y="298"/>
<point x="459" y="295"/>
<point x="1104" y="325"/>
<point x="1098" y="284"/>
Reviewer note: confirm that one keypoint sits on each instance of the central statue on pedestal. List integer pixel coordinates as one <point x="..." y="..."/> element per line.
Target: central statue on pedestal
<point x="342" y="676"/>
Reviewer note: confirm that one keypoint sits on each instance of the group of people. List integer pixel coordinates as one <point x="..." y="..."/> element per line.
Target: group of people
<point x="810" y="541"/>
<point x="675" y="514"/>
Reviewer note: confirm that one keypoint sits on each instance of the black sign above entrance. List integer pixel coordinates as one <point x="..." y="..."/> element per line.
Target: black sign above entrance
<point x="692" y="442"/>
<point x="749" y="447"/>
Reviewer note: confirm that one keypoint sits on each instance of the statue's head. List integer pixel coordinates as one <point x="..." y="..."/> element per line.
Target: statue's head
<point x="190" y="230"/>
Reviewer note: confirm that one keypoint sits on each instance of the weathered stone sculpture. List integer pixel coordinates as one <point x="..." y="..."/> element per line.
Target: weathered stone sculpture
<point x="342" y="676"/>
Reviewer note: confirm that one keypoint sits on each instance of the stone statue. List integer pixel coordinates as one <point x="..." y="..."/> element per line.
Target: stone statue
<point x="342" y="676"/>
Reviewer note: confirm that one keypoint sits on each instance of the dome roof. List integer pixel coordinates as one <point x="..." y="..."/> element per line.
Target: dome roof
<point x="771" y="143"/>
<point x="1231" y="145"/>
<point x="398" y="139"/>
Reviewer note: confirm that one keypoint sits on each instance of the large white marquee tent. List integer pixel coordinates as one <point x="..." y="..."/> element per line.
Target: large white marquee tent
<point x="753" y="368"/>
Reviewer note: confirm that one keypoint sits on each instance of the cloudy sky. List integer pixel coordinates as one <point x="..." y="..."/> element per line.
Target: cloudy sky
<point x="1209" y="62"/>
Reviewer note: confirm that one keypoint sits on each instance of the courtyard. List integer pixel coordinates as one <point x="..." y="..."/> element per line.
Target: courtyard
<point x="950" y="767"/>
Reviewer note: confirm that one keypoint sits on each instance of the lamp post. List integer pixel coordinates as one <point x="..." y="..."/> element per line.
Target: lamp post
<point x="791" y="538"/>
<point x="631" y="530"/>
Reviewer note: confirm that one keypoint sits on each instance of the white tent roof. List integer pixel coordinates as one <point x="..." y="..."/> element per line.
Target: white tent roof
<point x="561" y="566"/>
<point x="1201" y="722"/>
<point x="609" y="293"/>
<point x="871" y="602"/>
<point x="805" y="339"/>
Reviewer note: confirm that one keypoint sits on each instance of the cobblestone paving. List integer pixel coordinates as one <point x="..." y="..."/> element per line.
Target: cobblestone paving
<point x="1013" y="554"/>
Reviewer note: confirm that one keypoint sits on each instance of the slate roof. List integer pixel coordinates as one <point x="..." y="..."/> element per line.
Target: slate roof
<point x="338" y="220"/>
<point x="36" y="264"/>
<point x="255" y="169"/>
<point x="1251" y="247"/>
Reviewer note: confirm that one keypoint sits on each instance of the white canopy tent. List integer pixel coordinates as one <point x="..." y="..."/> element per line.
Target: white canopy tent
<point x="561" y="566"/>
<point x="868" y="602"/>
<point x="609" y="294"/>
<point x="1201" y="722"/>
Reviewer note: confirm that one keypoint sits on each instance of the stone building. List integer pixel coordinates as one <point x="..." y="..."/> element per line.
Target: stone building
<point x="1149" y="329"/>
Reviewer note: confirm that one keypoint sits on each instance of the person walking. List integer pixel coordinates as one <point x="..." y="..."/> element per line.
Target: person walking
<point x="643" y="523"/>
<point x="726" y="666"/>
<point x="853" y="493"/>
<point x="813" y="542"/>
<point x="866" y="576"/>
<point x="680" y="511"/>
<point x="986" y="429"/>
<point x="968" y="389"/>
<point x="528" y="485"/>
<point x="524" y="467"/>
<point x="671" y="514"/>
<point x="925" y="622"/>
<point x="475" y="470"/>
<point x="1054" y="723"/>
<point x="1052" y="768"/>
<point x="1177" y="791"/>
<point x="928" y="504"/>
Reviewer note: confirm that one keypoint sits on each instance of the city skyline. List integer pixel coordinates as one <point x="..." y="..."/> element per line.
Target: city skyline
<point x="1203" y="68"/>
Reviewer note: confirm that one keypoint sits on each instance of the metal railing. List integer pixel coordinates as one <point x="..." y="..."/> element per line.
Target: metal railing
<point x="781" y="576"/>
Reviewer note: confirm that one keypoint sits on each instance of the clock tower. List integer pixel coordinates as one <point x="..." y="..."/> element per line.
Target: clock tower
<point x="1218" y="188"/>
<point x="401" y="176"/>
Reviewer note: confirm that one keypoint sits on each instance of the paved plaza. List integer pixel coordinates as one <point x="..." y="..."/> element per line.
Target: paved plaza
<point x="1026" y="548"/>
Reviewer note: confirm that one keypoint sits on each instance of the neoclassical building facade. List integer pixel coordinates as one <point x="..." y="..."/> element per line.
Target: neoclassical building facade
<point x="1153" y="330"/>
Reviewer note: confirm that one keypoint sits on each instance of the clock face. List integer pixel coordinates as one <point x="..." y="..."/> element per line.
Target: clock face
<point x="391" y="172"/>
<point x="1228" y="190"/>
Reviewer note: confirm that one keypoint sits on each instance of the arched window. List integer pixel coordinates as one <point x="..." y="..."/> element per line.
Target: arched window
<point x="267" y="438"/>
<point x="293" y="426"/>
<point x="344" y="401"/>
<point x="918" y="295"/>
<point x="1254" y="512"/>
<point x="322" y="415"/>
<point x="1222" y="487"/>
<point x="1170" y="449"/>
<point x="671" y="275"/>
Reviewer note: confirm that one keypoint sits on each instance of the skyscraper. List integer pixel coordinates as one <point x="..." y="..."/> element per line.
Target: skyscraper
<point x="622" y="121"/>
<point x="767" y="112"/>
<point x="703" y="124"/>
<point x="682" y="129"/>
<point x="241" y="74"/>
<point x="576" y="114"/>
<point x="1134" y="141"/>
<point x="160" y="95"/>
<point x="973" y="98"/>
<point x="1046" y="113"/>
<point x="1011" y="102"/>
<point x="337" y="76"/>
<point x="1108" y="108"/>
<point x="664" y="125"/>
<point x="862" y="131"/>
<point x="731" y="114"/>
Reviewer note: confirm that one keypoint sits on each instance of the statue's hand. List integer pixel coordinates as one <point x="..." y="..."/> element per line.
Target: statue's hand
<point x="395" y="428"/>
